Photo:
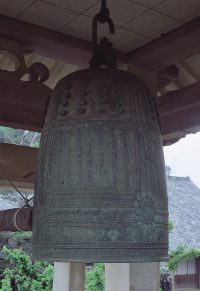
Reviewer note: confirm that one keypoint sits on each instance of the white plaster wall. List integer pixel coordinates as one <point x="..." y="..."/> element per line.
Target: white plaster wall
<point x="191" y="267"/>
<point x="182" y="269"/>
<point x="186" y="268"/>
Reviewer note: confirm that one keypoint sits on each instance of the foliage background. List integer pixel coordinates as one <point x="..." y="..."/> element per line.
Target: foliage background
<point x="24" y="274"/>
<point x="19" y="136"/>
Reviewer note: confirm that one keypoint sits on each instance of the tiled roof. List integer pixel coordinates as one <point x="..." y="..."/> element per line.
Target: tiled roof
<point x="184" y="212"/>
<point x="6" y="203"/>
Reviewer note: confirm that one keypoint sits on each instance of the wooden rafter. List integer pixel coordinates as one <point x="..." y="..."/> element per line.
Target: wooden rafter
<point x="179" y="100"/>
<point x="16" y="162"/>
<point x="23" y="104"/>
<point x="169" y="48"/>
<point x="179" y="112"/>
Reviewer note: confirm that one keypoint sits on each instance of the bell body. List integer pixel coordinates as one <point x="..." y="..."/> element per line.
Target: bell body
<point x="101" y="193"/>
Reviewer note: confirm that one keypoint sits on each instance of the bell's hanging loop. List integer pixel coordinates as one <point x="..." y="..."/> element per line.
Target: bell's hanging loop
<point x="104" y="13"/>
<point x="102" y="17"/>
<point x="103" y="53"/>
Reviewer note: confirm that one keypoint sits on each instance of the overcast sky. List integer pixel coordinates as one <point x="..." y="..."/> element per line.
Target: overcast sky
<point x="184" y="157"/>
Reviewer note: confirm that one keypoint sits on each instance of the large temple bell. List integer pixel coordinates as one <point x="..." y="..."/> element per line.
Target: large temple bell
<point x="101" y="192"/>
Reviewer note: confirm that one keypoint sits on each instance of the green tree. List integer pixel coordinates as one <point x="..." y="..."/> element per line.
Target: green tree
<point x="19" y="136"/>
<point x="180" y="254"/>
<point x="24" y="274"/>
<point x="170" y="226"/>
<point x="95" y="278"/>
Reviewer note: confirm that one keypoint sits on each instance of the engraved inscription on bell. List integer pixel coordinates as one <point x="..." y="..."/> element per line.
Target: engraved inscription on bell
<point x="101" y="191"/>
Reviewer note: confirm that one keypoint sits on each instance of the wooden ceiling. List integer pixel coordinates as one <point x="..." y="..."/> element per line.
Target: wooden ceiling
<point x="137" y="21"/>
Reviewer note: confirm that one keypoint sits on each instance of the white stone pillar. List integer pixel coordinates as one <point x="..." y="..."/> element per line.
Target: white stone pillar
<point x="145" y="277"/>
<point x="61" y="276"/>
<point x="77" y="277"/>
<point x="132" y="277"/>
<point x="117" y="277"/>
<point x="68" y="277"/>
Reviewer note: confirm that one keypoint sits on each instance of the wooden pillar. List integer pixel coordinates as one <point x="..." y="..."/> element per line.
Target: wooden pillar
<point x="68" y="276"/>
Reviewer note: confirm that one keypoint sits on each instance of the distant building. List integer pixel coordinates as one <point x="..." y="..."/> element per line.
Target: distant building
<point x="184" y="212"/>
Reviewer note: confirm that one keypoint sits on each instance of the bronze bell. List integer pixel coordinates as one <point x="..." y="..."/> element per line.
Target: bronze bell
<point x="101" y="191"/>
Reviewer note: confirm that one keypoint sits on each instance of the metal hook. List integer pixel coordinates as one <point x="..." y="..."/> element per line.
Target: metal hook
<point x="102" y="17"/>
<point x="103" y="53"/>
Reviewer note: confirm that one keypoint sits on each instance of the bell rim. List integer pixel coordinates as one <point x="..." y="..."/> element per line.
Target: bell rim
<point x="70" y="255"/>
<point x="66" y="259"/>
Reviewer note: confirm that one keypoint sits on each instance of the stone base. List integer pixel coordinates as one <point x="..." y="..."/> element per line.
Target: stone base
<point x="132" y="277"/>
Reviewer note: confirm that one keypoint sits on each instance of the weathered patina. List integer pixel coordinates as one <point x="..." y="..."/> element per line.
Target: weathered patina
<point x="101" y="193"/>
